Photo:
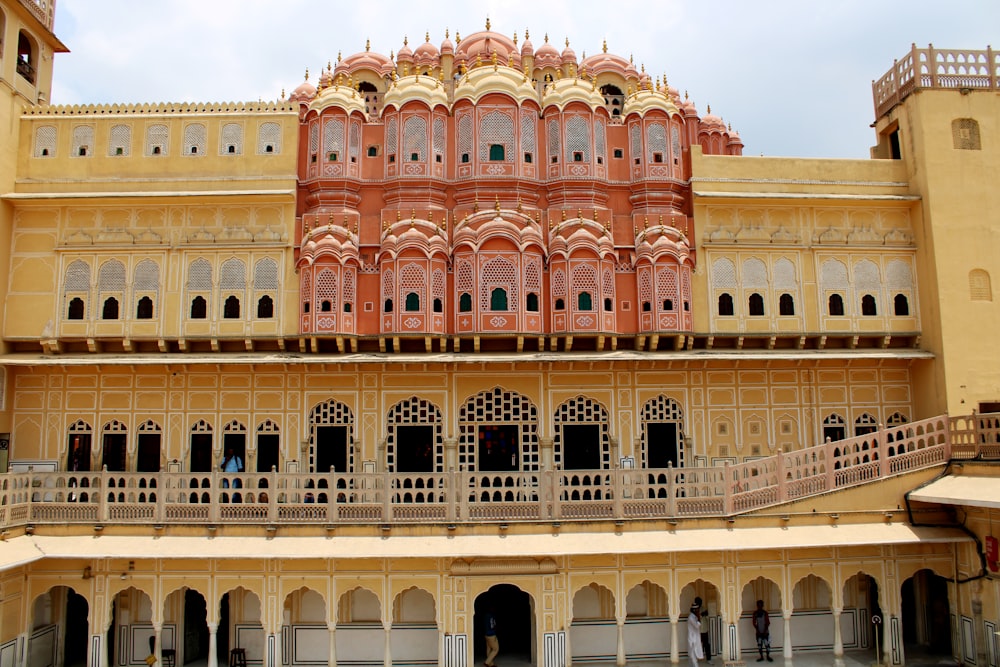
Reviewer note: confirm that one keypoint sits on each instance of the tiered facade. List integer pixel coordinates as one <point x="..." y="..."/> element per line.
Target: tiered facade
<point x="486" y="324"/>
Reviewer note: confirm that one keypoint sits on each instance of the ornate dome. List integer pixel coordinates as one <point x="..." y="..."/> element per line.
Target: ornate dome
<point x="447" y="48"/>
<point x="568" y="55"/>
<point x="547" y="56"/>
<point x="606" y="63"/>
<point x="484" y="44"/>
<point x="712" y="123"/>
<point x="426" y="54"/>
<point x="405" y="54"/>
<point x="367" y="59"/>
<point x="415" y="87"/>
<point x="304" y="92"/>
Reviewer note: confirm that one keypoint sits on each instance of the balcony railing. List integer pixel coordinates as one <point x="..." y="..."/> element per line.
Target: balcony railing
<point x="275" y="499"/>
<point x="936" y="68"/>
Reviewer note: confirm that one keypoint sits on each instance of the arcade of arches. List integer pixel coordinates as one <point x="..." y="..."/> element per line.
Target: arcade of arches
<point x="428" y="611"/>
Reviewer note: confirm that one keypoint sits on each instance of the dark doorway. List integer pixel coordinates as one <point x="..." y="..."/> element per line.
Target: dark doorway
<point x="414" y="448"/>
<point x="498" y="448"/>
<point x="926" y="616"/>
<point x="77" y="630"/>
<point x="331" y="449"/>
<point x="195" y="627"/>
<point x="148" y="455"/>
<point x="581" y="446"/>
<point x="113" y="452"/>
<point x="201" y="452"/>
<point x="222" y="636"/>
<point x="662" y="446"/>
<point x="237" y="442"/>
<point x="267" y="452"/>
<point x="79" y="452"/>
<point x="515" y="624"/>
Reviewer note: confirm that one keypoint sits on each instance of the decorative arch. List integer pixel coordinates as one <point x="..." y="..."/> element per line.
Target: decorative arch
<point x="663" y="433"/>
<point x="331" y="437"/>
<point x="582" y="435"/>
<point x="414" y="437"/>
<point x="414" y="606"/>
<point x="593" y="601"/>
<point x="501" y="417"/>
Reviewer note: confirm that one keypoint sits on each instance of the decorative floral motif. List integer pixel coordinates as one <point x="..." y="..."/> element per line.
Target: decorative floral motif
<point x="498" y="321"/>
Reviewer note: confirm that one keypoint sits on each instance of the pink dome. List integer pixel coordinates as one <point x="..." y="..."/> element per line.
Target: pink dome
<point x="370" y="60"/>
<point x="304" y="92"/>
<point x="446" y="46"/>
<point x="484" y="44"/>
<point x="547" y="55"/>
<point x="568" y="54"/>
<point x="405" y="55"/>
<point x="527" y="47"/>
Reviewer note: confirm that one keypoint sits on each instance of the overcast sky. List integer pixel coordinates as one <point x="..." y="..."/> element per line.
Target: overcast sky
<point x="792" y="76"/>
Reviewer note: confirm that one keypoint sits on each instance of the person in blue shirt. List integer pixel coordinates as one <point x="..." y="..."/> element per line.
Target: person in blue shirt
<point x="490" y="631"/>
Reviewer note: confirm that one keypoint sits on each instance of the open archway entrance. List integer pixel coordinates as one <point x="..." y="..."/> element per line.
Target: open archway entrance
<point x="60" y="629"/>
<point x="926" y="615"/>
<point x="515" y="617"/>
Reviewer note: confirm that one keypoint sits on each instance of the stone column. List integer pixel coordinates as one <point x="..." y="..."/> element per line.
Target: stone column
<point x="786" y="648"/>
<point x="387" y="658"/>
<point x="22" y="644"/>
<point x="620" y="658"/>
<point x="332" y="660"/>
<point x="546" y="453"/>
<point x="158" y="643"/>
<point x="675" y="654"/>
<point x="213" y="645"/>
<point x="838" y="639"/>
<point x="450" y="453"/>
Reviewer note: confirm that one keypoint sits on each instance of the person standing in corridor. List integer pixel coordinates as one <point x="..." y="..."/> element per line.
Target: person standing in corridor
<point x="490" y="632"/>
<point x="694" y="634"/>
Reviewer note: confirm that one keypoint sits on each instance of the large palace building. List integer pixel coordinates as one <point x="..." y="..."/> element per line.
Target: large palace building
<point x="485" y="325"/>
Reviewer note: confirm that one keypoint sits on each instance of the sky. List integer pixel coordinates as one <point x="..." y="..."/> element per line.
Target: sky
<point x="793" y="77"/>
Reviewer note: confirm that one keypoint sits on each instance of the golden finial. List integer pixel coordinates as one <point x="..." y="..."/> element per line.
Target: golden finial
<point x="368" y="45"/>
<point x="339" y="57"/>
<point x="392" y="55"/>
<point x="305" y="225"/>
<point x="607" y="225"/>
<point x="427" y="36"/>
<point x="605" y="46"/>
<point x="406" y="69"/>
<point x="583" y="71"/>
<point x="526" y="36"/>
<point x="567" y="42"/>
<point x="340" y="79"/>
<point x="282" y="93"/>
<point x="475" y="204"/>
<point x="645" y="222"/>
<point x="630" y="61"/>
<point x="385" y="225"/>
<point x="413" y="215"/>
<point x="510" y="59"/>
<point x="496" y="206"/>
<point x="564" y="215"/>
<point x="307" y="74"/>
<point x="406" y="42"/>
<point x="635" y="230"/>
<point x="628" y="90"/>
<point x="515" y="38"/>
<point x="493" y="58"/>
<point x="398" y="215"/>
<point x="346" y="225"/>
<point x="685" y="95"/>
<point x="329" y="220"/>
<point x="730" y="127"/>
<point x="546" y="38"/>
<point x="479" y="59"/>
<point x="579" y="214"/>
<point x="458" y="38"/>
<point x="642" y="68"/>
<point x="446" y="33"/>
<point x="329" y="66"/>
<point x="487" y="22"/>
<point x="441" y="75"/>
<point x="708" y="108"/>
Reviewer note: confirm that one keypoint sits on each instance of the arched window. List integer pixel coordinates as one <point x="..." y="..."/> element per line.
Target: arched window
<point x="584" y="302"/>
<point x="438" y="306"/>
<point x="26" y="57"/>
<point x="786" y="305"/>
<point x="347" y="306"/>
<point x="465" y="303"/>
<point x="110" y="311"/>
<point x="231" y="310"/>
<point x="646" y="306"/>
<point x="265" y="308"/>
<point x="756" y="304"/>
<point x="412" y="302"/>
<point x="532" y="302"/>
<point x="868" y="306"/>
<point x="498" y="299"/>
<point x="387" y="306"/>
<point x="75" y="309"/>
<point x="560" y="304"/>
<point x="496" y="153"/>
<point x="325" y="306"/>
<point x="836" y="305"/>
<point x="725" y="304"/>
<point x="144" y="309"/>
<point x="900" y="304"/>
<point x="199" y="308"/>
<point x="608" y="305"/>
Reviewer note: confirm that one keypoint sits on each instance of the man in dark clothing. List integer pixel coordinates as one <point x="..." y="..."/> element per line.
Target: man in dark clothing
<point x="761" y="625"/>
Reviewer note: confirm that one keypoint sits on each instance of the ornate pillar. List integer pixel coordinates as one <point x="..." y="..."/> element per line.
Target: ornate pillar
<point x="838" y="639"/>
<point x="450" y="452"/>
<point x="158" y="643"/>
<point x="213" y="645"/>
<point x="546" y="453"/>
<point x="620" y="658"/>
<point x="332" y="660"/>
<point x="675" y="655"/>
<point x="387" y="658"/>
<point x="786" y="648"/>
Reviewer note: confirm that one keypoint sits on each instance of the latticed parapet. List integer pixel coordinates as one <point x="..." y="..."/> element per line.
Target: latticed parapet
<point x="955" y="69"/>
<point x="43" y="10"/>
